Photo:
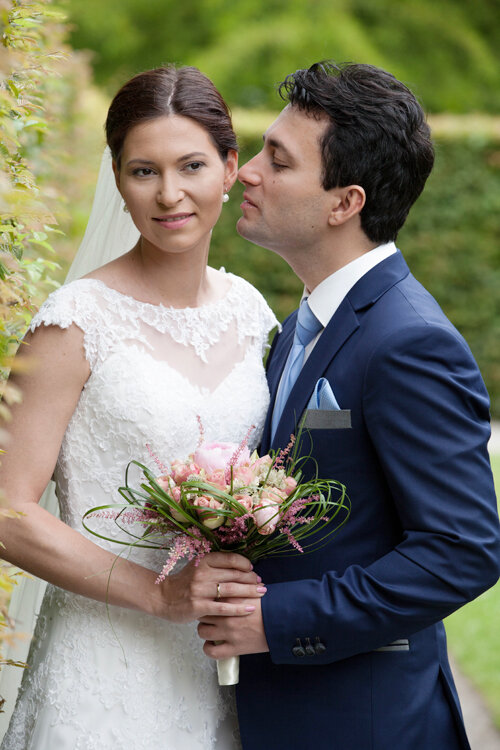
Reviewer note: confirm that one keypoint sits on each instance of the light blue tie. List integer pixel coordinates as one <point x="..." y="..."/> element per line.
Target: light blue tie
<point x="307" y="327"/>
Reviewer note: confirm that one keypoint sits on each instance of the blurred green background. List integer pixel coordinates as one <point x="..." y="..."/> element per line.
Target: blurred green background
<point x="447" y="51"/>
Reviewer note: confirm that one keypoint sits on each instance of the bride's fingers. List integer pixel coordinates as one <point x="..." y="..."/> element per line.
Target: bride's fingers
<point x="230" y="589"/>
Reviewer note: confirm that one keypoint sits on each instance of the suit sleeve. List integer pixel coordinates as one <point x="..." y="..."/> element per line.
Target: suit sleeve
<point x="426" y="410"/>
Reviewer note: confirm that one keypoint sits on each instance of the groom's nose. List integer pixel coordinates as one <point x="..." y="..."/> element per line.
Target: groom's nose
<point x="248" y="174"/>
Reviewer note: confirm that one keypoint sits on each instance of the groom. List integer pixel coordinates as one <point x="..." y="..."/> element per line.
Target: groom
<point x="348" y="650"/>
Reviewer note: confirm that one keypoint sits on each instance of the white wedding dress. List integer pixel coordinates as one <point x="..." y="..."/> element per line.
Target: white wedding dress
<point x="107" y="678"/>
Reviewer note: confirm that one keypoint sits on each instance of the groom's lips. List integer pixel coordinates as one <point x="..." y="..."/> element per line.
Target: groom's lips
<point x="247" y="202"/>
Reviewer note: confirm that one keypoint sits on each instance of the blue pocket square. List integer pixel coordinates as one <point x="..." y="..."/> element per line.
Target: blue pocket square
<point x="323" y="397"/>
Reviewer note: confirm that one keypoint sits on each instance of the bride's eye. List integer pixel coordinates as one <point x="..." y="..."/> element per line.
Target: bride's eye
<point x="143" y="171"/>
<point x="194" y="166"/>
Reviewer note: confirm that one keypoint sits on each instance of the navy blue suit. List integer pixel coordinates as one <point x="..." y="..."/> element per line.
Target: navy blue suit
<point x="423" y="537"/>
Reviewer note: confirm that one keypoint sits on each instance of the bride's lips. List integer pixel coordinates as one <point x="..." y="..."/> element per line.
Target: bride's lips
<point x="173" y="221"/>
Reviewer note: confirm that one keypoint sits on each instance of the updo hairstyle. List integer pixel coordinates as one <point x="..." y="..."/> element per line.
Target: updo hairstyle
<point x="164" y="91"/>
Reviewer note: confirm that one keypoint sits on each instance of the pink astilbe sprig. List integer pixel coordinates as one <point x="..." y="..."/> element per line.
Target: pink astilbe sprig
<point x="291" y="539"/>
<point x="135" y="515"/>
<point x="237" y="453"/>
<point x="201" y="430"/>
<point x="187" y="547"/>
<point x="160" y="465"/>
<point x="237" y="532"/>
<point x="279" y="461"/>
<point x="291" y="515"/>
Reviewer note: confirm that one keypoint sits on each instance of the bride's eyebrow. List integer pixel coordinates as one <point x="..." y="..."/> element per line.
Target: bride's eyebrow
<point x="192" y="155"/>
<point x="185" y="157"/>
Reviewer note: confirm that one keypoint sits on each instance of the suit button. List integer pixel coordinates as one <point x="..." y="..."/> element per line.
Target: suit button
<point x="319" y="647"/>
<point x="310" y="650"/>
<point x="298" y="650"/>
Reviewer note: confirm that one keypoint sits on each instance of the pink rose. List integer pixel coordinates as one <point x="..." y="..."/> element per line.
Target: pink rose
<point x="260" y="467"/>
<point x="164" y="482"/>
<point x="218" y="479"/>
<point x="272" y="495"/>
<point x="203" y="504"/>
<point x="243" y="476"/>
<point x="175" y="493"/>
<point x="246" y="501"/>
<point x="212" y="456"/>
<point x="290" y="485"/>
<point x="266" y="517"/>
<point x="181" y="470"/>
<point x="264" y="462"/>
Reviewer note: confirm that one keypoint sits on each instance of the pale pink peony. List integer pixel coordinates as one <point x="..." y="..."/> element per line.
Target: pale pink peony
<point x="212" y="456"/>
<point x="181" y="470"/>
<point x="266" y="517"/>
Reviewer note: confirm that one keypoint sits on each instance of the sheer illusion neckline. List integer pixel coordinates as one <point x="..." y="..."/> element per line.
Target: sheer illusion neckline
<point x="159" y="305"/>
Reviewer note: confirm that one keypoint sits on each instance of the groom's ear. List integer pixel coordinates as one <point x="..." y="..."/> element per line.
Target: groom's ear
<point x="347" y="202"/>
<point x="230" y="169"/>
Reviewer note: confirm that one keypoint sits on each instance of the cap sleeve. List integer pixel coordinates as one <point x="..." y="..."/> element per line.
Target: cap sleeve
<point x="74" y="303"/>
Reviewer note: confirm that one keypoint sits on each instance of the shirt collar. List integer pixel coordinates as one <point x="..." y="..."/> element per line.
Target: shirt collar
<point x="325" y="299"/>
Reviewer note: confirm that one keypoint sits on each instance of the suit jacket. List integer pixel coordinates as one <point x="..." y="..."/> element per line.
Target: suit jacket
<point x="423" y="538"/>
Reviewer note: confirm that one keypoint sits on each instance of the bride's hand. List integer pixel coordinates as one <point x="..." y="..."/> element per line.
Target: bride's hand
<point x="207" y="588"/>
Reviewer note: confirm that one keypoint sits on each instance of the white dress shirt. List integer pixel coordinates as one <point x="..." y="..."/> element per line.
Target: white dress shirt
<point x="327" y="297"/>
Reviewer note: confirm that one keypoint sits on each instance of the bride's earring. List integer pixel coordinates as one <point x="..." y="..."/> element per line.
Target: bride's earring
<point x="125" y="208"/>
<point x="225" y="197"/>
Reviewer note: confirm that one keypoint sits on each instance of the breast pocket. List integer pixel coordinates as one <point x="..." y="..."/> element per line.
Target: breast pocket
<point x="327" y="419"/>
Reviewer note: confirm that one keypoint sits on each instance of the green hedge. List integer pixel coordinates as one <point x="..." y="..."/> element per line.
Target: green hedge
<point x="451" y="242"/>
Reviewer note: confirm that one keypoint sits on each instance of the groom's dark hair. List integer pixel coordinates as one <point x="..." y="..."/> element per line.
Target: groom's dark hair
<point x="377" y="137"/>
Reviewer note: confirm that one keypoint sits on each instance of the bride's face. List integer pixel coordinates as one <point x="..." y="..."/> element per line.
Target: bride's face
<point x="172" y="180"/>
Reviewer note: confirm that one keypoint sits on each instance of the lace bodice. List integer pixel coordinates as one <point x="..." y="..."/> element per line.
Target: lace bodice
<point x="154" y="372"/>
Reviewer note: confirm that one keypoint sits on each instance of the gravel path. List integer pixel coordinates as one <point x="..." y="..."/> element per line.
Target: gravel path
<point x="480" y="729"/>
<point x="482" y="733"/>
<point x="494" y="444"/>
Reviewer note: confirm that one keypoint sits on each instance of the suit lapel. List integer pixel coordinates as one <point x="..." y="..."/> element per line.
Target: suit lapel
<point x="279" y="358"/>
<point x="343" y="324"/>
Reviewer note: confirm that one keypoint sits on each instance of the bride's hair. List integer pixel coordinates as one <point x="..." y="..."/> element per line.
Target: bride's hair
<point x="169" y="91"/>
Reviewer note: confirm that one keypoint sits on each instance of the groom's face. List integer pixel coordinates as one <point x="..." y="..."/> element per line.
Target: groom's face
<point x="285" y="207"/>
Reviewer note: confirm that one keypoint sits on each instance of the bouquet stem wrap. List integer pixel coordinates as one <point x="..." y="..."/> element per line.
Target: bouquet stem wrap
<point x="228" y="670"/>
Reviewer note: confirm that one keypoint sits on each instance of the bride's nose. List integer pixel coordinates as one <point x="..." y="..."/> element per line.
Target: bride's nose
<point x="170" y="192"/>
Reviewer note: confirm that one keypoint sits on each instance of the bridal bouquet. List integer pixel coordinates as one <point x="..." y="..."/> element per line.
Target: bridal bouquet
<point x="222" y="498"/>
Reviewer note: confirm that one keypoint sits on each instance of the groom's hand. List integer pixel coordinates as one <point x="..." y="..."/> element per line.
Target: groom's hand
<point x="233" y="636"/>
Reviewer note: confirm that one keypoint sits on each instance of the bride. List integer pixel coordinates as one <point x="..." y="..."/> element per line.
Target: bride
<point x="126" y="363"/>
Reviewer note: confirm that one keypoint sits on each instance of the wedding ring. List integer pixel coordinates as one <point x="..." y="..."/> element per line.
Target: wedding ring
<point x="218" y="591"/>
